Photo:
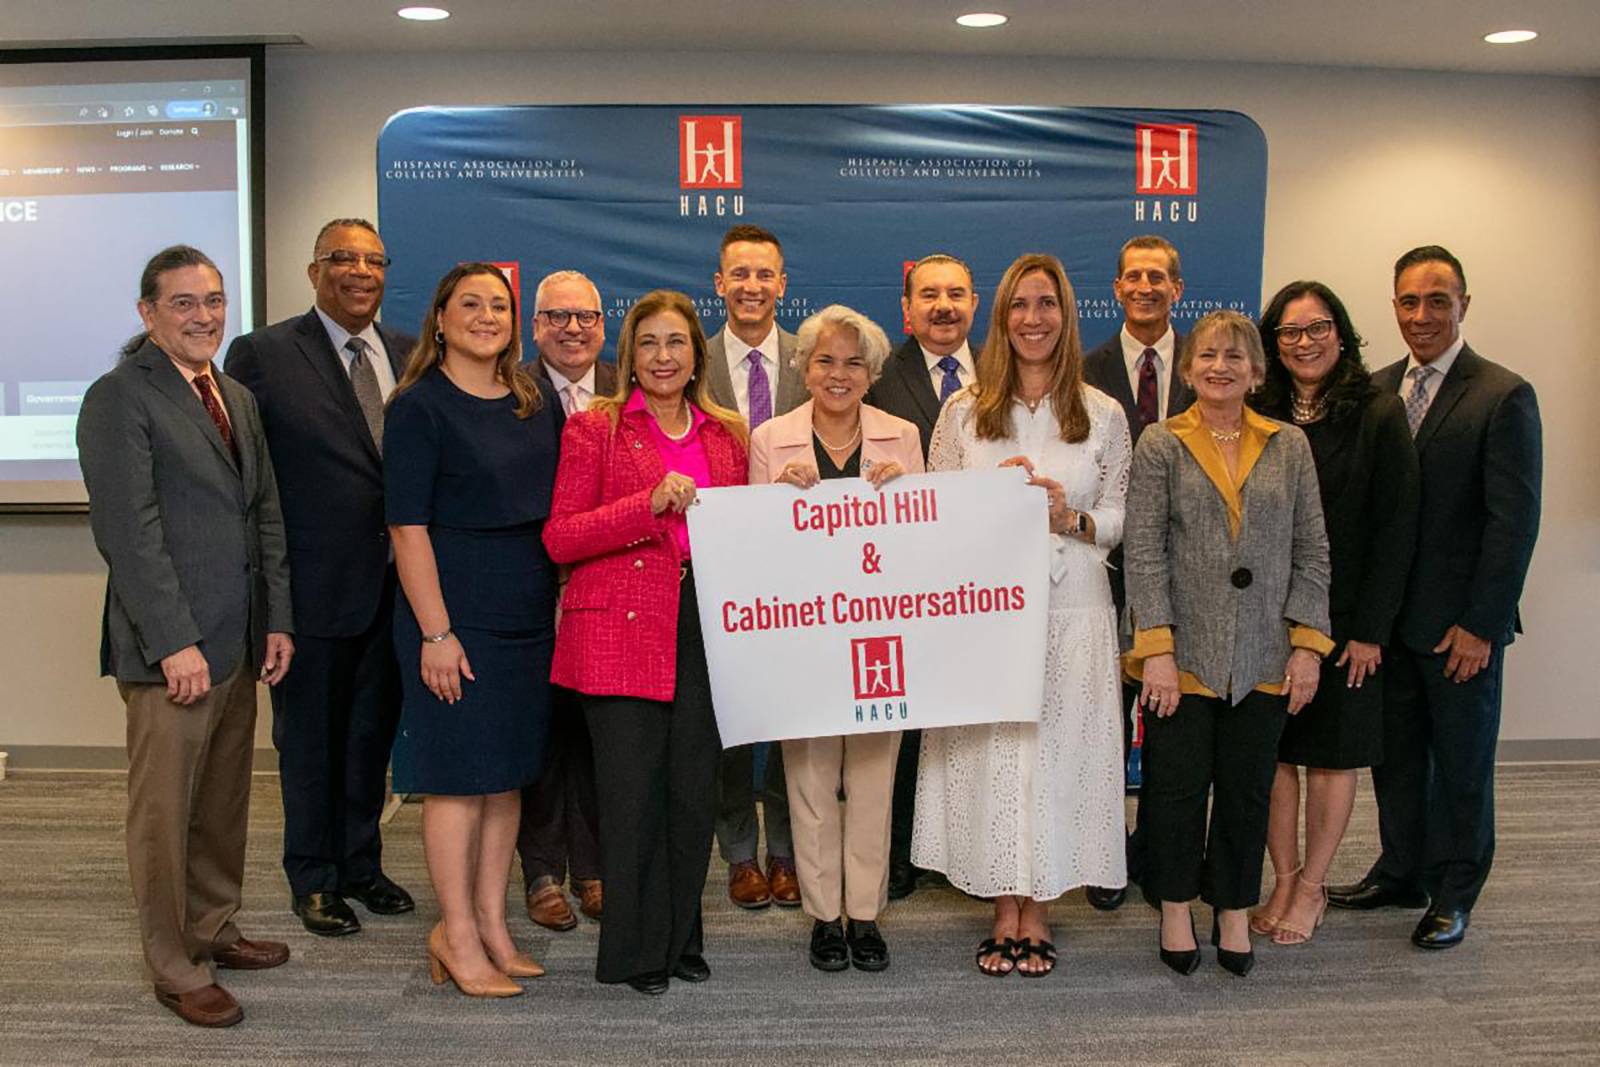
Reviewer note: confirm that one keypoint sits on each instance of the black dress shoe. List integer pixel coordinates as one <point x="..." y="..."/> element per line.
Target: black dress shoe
<point x="652" y="984"/>
<point x="1238" y="963"/>
<point x="380" y="896"/>
<point x="691" y="969"/>
<point x="1183" y="960"/>
<point x="1105" y="899"/>
<point x="868" y="950"/>
<point x="1370" y="893"/>
<point x="1441" y="928"/>
<point x="326" y="915"/>
<point x="902" y="879"/>
<point x="829" y="950"/>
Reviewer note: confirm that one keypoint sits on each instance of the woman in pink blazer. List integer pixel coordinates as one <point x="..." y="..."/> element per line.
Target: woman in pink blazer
<point x="843" y="864"/>
<point x="629" y="636"/>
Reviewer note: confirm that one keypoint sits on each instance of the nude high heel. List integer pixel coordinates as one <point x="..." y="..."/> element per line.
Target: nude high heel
<point x="439" y="969"/>
<point x="1264" y="923"/>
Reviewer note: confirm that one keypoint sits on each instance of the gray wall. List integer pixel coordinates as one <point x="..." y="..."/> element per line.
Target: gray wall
<point x="1362" y="164"/>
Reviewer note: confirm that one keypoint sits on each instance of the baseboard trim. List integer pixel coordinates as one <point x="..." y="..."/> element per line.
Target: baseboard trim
<point x="111" y="758"/>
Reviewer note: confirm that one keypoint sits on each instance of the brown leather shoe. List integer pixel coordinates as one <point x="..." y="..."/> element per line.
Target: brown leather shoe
<point x="207" y="1006"/>
<point x="591" y="896"/>
<point x="247" y="955"/>
<point x="547" y="906"/>
<point x="784" y="882"/>
<point x="747" y="886"/>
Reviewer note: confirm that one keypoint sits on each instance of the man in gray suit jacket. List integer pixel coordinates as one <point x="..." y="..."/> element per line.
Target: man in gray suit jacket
<point x="749" y="364"/>
<point x="184" y="508"/>
<point x="1476" y="428"/>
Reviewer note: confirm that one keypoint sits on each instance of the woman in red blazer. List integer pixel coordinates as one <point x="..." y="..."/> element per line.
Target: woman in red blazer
<point x="629" y="637"/>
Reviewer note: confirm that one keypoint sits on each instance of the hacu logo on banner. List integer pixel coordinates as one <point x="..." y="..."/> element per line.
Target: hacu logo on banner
<point x="879" y="665"/>
<point x="710" y="152"/>
<point x="1168" y="159"/>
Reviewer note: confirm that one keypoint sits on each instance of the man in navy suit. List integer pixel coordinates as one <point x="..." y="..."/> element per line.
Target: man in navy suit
<point x="1476" y="429"/>
<point x="940" y="302"/>
<point x="1138" y="368"/>
<point x="321" y="380"/>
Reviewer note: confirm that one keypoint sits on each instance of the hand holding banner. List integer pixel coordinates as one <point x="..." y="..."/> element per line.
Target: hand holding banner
<point x="846" y="609"/>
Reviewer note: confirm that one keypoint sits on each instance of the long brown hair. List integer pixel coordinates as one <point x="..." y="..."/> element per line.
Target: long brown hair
<point x="997" y="364"/>
<point x="429" y="352"/>
<point x="699" y="388"/>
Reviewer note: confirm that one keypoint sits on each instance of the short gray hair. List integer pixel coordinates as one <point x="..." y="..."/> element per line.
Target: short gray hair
<point x="873" y="342"/>
<point x="557" y="277"/>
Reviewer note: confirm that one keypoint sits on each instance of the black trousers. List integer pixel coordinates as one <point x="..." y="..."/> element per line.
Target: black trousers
<point x="1435" y="786"/>
<point x="333" y="723"/>
<point x="560" y="828"/>
<point x="1232" y="751"/>
<point x="903" y="816"/>
<point x="659" y="765"/>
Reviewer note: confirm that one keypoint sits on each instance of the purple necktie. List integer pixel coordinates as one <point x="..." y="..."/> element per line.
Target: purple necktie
<point x="760" y="391"/>
<point x="952" y="381"/>
<point x="1148" y="400"/>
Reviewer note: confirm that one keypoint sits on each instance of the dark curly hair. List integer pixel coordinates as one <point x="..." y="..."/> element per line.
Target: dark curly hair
<point x="1348" y="385"/>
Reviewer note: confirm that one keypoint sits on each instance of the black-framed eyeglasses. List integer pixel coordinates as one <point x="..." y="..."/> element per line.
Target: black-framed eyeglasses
<point x="344" y="257"/>
<point x="559" y="317"/>
<point x="1319" y="330"/>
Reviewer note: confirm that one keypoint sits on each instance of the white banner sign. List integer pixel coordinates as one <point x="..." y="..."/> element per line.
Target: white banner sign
<point x="846" y="609"/>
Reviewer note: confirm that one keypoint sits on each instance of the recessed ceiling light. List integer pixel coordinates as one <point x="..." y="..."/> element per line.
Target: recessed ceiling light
<point x="982" y="19"/>
<point x="423" y="14"/>
<point x="1510" y="36"/>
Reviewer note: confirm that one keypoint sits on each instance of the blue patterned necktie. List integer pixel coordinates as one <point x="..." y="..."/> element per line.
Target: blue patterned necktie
<point x="1417" y="402"/>
<point x="952" y="380"/>
<point x="760" y="390"/>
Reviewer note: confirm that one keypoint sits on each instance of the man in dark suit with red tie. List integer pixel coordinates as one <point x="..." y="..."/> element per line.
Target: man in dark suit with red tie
<point x="559" y="836"/>
<point x="1138" y="368"/>
<point x="940" y="303"/>
<point x="321" y="380"/>
<point x="1476" y="429"/>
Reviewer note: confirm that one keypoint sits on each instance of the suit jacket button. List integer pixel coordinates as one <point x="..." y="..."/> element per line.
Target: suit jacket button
<point x="638" y="444"/>
<point x="638" y="564"/>
<point x="1242" y="578"/>
<point x="632" y="615"/>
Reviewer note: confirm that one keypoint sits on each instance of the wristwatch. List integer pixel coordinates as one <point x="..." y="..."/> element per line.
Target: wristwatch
<point x="1082" y="526"/>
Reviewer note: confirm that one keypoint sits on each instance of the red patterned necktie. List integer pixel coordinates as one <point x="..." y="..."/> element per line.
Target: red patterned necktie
<point x="208" y="397"/>
<point x="1148" y="401"/>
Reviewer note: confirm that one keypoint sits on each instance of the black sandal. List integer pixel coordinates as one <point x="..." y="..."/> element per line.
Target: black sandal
<point x="1007" y="950"/>
<point x="1044" y="950"/>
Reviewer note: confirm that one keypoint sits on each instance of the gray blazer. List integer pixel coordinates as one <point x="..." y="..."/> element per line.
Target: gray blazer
<point x="1185" y="571"/>
<point x="791" y="391"/>
<point x="194" y="542"/>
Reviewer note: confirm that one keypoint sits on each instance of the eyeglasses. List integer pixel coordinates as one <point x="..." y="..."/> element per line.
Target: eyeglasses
<point x="1317" y="331"/>
<point x="343" y="257"/>
<point x="559" y="317"/>
<point x="186" y="305"/>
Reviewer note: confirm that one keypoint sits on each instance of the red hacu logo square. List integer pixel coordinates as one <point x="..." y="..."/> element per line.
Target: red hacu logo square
<point x="711" y="151"/>
<point x="879" y="667"/>
<point x="1168" y="159"/>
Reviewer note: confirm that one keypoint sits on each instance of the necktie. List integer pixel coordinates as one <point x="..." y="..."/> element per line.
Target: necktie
<point x="569" y="398"/>
<point x="213" y="406"/>
<point x="365" y="382"/>
<point x="760" y="391"/>
<point x="1417" y="402"/>
<point x="952" y="381"/>
<point x="1149" y="399"/>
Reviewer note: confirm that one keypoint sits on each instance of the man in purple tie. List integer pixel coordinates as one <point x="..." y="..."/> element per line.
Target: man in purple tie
<point x="1138" y="368"/>
<point x="750" y="364"/>
<point x="940" y="302"/>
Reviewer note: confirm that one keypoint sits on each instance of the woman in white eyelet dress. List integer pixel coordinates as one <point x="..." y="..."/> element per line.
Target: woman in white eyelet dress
<point x="1016" y="811"/>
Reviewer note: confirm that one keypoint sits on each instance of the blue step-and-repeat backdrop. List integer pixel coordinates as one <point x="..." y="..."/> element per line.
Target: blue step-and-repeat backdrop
<point x="637" y="197"/>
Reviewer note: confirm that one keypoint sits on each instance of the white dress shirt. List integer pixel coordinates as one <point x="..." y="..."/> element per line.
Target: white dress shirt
<point x="963" y="356"/>
<point x="378" y="355"/>
<point x="575" y="395"/>
<point x="739" y="368"/>
<point x="1133" y="352"/>
<point x="1441" y="365"/>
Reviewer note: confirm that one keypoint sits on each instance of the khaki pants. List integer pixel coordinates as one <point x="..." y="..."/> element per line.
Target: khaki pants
<point x="188" y="805"/>
<point x="842" y="859"/>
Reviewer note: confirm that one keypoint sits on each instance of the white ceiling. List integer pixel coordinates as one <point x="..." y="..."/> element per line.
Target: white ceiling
<point x="1414" y="34"/>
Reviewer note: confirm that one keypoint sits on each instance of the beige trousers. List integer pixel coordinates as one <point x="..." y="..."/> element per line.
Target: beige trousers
<point x="188" y="805"/>
<point x="842" y="859"/>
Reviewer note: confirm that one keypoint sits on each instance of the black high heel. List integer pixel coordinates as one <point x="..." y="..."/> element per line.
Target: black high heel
<point x="1238" y="963"/>
<point x="1184" y="961"/>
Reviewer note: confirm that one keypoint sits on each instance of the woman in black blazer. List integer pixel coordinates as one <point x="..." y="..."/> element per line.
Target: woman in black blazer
<point x="1367" y="470"/>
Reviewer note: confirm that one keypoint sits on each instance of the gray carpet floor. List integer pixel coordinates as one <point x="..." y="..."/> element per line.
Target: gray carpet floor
<point x="1524" y="988"/>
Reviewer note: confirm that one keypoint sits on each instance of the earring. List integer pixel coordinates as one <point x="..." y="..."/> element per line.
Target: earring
<point x="438" y="338"/>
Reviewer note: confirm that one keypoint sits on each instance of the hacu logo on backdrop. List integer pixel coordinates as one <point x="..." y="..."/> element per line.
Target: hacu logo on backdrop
<point x="1168" y="160"/>
<point x="879" y="664"/>
<point x="710" y="152"/>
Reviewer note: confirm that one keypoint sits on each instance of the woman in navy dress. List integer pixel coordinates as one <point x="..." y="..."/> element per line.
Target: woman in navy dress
<point x="470" y="446"/>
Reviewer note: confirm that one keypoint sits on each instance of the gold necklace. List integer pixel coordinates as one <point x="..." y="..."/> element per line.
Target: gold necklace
<point x="1304" y="411"/>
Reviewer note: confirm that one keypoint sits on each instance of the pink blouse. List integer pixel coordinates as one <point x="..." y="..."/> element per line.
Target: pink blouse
<point x="685" y="456"/>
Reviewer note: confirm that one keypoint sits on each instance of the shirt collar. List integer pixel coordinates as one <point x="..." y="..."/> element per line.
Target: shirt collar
<point x="561" y="381"/>
<point x="738" y="351"/>
<point x="1446" y="360"/>
<point x="963" y="356"/>
<point x="635" y="406"/>
<point x="339" y="335"/>
<point x="1133" y="348"/>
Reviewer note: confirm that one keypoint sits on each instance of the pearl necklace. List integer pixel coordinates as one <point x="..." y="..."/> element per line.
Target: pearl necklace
<point x="688" y="423"/>
<point x="1032" y="405"/>
<point x="1304" y="411"/>
<point x="847" y="446"/>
